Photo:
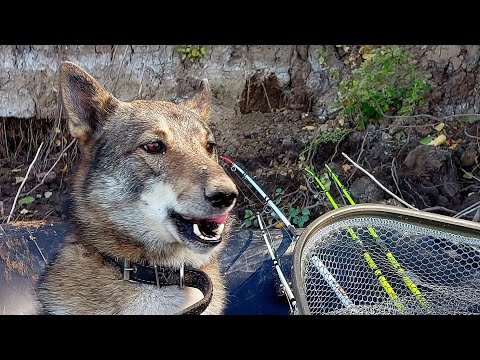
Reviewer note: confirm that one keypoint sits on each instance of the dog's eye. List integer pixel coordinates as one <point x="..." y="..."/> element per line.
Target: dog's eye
<point x="156" y="147"/>
<point x="211" y="147"/>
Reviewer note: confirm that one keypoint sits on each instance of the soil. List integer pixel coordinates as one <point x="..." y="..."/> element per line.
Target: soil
<point x="268" y="145"/>
<point x="281" y="111"/>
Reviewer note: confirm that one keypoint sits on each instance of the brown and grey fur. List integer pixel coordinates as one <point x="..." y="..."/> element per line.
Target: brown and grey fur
<point x="122" y="196"/>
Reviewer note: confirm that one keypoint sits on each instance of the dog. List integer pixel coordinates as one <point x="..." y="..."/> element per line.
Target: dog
<point x="150" y="203"/>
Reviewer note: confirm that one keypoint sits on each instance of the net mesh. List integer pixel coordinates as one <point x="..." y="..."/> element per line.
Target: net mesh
<point x="402" y="269"/>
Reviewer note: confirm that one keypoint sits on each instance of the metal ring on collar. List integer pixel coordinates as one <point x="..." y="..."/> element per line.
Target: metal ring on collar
<point x="182" y="276"/>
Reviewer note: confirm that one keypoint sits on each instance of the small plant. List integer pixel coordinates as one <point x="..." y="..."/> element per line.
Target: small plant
<point x="322" y="56"/>
<point x="386" y="82"/>
<point x="299" y="216"/>
<point x="333" y="136"/>
<point x="192" y="53"/>
<point x="330" y="136"/>
<point x="250" y="219"/>
<point x="278" y="193"/>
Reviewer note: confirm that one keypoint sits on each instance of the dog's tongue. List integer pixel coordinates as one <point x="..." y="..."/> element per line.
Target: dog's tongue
<point x="219" y="219"/>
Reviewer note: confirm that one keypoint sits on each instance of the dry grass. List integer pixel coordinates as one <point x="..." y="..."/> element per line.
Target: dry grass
<point x="21" y="138"/>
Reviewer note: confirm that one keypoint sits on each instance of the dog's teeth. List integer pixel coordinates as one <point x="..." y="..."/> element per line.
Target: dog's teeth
<point x="218" y="231"/>
<point x="197" y="231"/>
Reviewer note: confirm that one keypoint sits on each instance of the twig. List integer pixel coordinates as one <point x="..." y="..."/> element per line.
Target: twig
<point x="289" y="194"/>
<point x="32" y="238"/>
<point x="312" y="148"/>
<point x="48" y="172"/>
<point x="360" y="154"/>
<point x="394" y="176"/>
<point x="338" y="143"/>
<point x="429" y="116"/>
<point x="471" y="136"/>
<point x="47" y="214"/>
<point x="468" y="209"/>
<point x="6" y="138"/>
<point x="266" y="96"/>
<point x="437" y="208"/>
<point x="378" y="183"/>
<point x="23" y="182"/>
<point x="473" y="177"/>
<point x="313" y="205"/>
<point x="476" y="217"/>
<point x="467" y="212"/>
<point x="416" y="193"/>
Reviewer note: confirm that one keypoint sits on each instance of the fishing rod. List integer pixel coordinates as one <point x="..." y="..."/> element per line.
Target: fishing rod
<point x="371" y="263"/>
<point x="393" y="261"/>
<point x="319" y="265"/>
<point x="286" y="287"/>
<point x="290" y="228"/>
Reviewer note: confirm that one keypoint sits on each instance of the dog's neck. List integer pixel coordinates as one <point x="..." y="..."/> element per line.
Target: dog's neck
<point x="159" y="276"/>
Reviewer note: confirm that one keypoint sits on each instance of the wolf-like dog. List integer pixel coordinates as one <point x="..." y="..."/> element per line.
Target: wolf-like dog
<point x="148" y="190"/>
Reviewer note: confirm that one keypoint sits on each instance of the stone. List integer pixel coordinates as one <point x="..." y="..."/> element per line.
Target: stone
<point x="469" y="157"/>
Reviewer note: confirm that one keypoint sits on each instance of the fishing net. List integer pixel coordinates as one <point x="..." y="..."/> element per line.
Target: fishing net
<point x="384" y="260"/>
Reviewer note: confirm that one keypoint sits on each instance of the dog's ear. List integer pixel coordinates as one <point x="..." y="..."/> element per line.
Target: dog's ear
<point x="200" y="102"/>
<point x="86" y="102"/>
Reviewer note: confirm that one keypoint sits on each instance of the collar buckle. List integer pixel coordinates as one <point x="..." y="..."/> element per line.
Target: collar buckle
<point x="127" y="269"/>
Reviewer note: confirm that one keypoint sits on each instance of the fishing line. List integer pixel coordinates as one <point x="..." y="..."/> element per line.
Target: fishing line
<point x="391" y="258"/>
<point x="366" y="255"/>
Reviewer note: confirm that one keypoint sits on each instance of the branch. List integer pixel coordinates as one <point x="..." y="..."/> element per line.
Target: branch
<point x="48" y="172"/>
<point x="378" y="183"/>
<point x="23" y="182"/>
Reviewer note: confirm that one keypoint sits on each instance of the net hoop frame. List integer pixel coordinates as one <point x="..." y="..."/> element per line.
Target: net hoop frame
<point x="434" y="221"/>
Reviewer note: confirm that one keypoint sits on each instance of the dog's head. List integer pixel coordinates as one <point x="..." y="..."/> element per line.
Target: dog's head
<point x="148" y="167"/>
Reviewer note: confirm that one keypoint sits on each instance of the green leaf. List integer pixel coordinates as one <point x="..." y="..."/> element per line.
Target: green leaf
<point x="294" y="211"/>
<point x="279" y="191"/>
<point x="248" y="223"/>
<point x="426" y="140"/>
<point x="469" y="118"/>
<point x="305" y="212"/>
<point x="203" y="51"/>
<point x="26" y="200"/>
<point x="295" y="220"/>
<point x="195" y="52"/>
<point x="248" y="214"/>
<point x="467" y="175"/>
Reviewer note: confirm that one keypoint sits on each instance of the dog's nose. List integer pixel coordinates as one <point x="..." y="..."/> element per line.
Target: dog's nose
<point x="221" y="199"/>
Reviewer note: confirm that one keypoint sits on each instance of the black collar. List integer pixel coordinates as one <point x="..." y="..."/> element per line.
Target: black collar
<point x="160" y="276"/>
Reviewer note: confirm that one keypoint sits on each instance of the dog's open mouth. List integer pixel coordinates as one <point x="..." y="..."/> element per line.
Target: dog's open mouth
<point x="207" y="230"/>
